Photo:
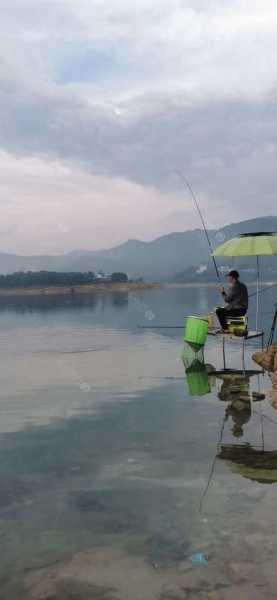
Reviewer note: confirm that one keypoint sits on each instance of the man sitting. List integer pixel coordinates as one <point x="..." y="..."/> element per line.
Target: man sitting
<point x="236" y="300"/>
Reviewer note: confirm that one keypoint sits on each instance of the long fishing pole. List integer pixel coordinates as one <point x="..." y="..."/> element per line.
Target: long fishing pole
<point x="160" y="326"/>
<point x="264" y="289"/>
<point x="201" y="218"/>
<point x="212" y="470"/>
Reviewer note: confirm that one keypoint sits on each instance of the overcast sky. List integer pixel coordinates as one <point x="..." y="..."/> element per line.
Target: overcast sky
<point x="101" y="101"/>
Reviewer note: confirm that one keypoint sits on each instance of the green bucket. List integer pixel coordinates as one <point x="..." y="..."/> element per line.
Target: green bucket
<point x="198" y="382"/>
<point x="196" y="332"/>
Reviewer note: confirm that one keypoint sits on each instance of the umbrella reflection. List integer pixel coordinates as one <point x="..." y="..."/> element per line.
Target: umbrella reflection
<point x="255" y="464"/>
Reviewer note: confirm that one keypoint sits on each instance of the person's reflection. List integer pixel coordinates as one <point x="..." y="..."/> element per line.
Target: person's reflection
<point x="240" y="412"/>
<point x="235" y="390"/>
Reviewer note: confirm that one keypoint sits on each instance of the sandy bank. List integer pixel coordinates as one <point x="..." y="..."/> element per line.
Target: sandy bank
<point x="106" y="287"/>
<point x="77" y="289"/>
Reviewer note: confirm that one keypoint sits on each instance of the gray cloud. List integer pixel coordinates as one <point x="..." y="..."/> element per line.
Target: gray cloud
<point x="192" y="88"/>
<point x="228" y="149"/>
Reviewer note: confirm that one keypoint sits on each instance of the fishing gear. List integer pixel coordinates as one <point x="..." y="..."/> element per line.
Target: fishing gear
<point x="264" y="289"/>
<point x="273" y="326"/>
<point x="212" y="469"/>
<point x="161" y="326"/>
<point x="202" y="220"/>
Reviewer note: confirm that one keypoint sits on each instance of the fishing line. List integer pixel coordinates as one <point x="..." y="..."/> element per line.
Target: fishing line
<point x="262" y="426"/>
<point x="255" y="412"/>
<point x="186" y="182"/>
<point x="212" y="470"/>
<point x="161" y="326"/>
<point x="189" y="187"/>
<point x="263" y="313"/>
<point x="265" y="289"/>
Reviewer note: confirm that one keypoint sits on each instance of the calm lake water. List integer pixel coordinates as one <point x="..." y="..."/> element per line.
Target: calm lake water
<point x="119" y="479"/>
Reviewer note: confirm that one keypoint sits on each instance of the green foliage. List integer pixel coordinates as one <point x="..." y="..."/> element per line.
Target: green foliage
<point x="54" y="278"/>
<point x="119" y="277"/>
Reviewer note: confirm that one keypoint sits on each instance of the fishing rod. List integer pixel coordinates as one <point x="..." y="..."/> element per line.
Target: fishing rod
<point x="273" y="327"/>
<point x="264" y="289"/>
<point x="161" y="326"/>
<point x="186" y="182"/>
<point x="213" y="465"/>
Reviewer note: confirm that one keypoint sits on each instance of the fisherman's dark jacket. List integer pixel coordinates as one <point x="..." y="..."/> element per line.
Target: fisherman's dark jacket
<point x="236" y="296"/>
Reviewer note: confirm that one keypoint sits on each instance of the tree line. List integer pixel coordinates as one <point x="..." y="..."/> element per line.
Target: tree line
<point x="46" y="278"/>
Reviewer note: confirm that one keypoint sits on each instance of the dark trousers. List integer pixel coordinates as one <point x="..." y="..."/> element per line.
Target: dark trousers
<point x="224" y="313"/>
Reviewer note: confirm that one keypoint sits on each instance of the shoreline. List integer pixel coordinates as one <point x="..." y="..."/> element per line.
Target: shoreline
<point x="215" y="284"/>
<point x="108" y="288"/>
<point x="76" y="289"/>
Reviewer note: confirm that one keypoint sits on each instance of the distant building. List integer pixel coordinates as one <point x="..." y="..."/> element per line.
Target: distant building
<point x="101" y="276"/>
<point x="201" y="269"/>
<point x="224" y="270"/>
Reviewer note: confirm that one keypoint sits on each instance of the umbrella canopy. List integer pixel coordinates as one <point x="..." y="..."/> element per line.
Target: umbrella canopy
<point x="249" y="244"/>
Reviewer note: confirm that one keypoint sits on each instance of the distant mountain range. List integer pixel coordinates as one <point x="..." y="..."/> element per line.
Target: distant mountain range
<point x="173" y="257"/>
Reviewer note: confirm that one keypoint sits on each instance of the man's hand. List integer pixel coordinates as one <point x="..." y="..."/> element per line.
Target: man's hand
<point x="222" y="290"/>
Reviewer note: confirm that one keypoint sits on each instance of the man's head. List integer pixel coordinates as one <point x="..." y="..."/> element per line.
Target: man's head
<point x="233" y="277"/>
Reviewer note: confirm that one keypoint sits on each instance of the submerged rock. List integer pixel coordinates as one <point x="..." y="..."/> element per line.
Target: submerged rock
<point x="108" y="574"/>
<point x="240" y="571"/>
<point x="70" y="590"/>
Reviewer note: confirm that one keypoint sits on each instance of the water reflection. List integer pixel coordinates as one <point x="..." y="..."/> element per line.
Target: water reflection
<point x="107" y="482"/>
<point x="254" y="463"/>
<point x="235" y="390"/>
<point x="199" y="375"/>
<point x="198" y="380"/>
<point x="71" y="302"/>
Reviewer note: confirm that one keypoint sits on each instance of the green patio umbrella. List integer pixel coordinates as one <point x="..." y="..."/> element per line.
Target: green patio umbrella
<point x="250" y="244"/>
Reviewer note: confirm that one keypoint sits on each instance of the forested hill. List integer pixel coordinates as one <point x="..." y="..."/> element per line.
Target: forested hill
<point x="54" y="278"/>
<point x="167" y="258"/>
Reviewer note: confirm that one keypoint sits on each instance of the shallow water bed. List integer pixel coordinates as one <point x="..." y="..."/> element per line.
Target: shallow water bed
<point x="114" y="479"/>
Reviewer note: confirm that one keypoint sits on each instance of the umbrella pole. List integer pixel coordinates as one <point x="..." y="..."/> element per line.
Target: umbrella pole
<point x="258" y="287"/>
